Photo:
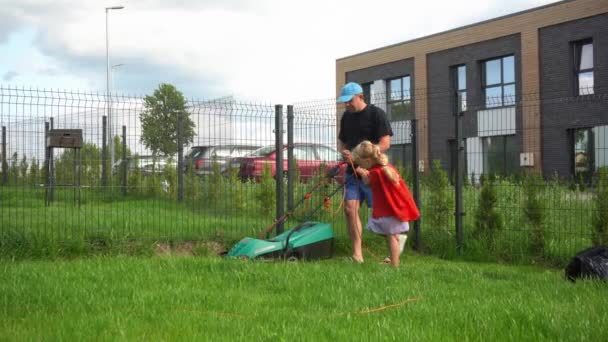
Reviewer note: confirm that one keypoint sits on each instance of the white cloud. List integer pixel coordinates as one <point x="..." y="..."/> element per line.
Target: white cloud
<point x="281" y="51"/>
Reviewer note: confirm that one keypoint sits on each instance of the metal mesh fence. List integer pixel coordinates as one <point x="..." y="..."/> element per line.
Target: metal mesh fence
<point x="503" y="176"/>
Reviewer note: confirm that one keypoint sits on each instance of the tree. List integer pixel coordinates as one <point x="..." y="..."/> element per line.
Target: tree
<point x="34" y="174"/>
<point x="23" y="166"/>
<point x="90" y="165"/>
<point x="159" y="120"/>
<point x="13" y="171"/>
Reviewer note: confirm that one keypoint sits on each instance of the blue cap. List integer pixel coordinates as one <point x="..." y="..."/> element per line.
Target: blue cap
<point x="348" y="91"/>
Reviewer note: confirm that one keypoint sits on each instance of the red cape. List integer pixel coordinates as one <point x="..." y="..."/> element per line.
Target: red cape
<point x="391" y="199"/>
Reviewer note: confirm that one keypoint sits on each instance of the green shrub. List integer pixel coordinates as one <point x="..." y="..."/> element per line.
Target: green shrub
<point x="600" y="215"/>
<point x="168" y="182"/>
<point x="236" y="190"/>
<point x="215" y="182"/>
<point x="34" y="173"/>
<point x="488" y="221"/>
<point x="266" y="192"/>
<point x="440" y="200"/>
<point x="533" y="211"/>
<point x="193" y="187"/>
<point x="134" y="180"/>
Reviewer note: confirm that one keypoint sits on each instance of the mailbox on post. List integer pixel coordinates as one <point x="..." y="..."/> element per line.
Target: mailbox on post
<point x="64" y="138"/>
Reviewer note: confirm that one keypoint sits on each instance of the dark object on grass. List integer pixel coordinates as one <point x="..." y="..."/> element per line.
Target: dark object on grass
<point x="590" y="263"/>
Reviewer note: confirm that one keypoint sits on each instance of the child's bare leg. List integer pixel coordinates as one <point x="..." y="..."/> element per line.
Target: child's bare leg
<point x="393" y="247"/>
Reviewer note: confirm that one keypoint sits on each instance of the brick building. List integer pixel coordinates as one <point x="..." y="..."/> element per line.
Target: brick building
<point x="532" y="87"/>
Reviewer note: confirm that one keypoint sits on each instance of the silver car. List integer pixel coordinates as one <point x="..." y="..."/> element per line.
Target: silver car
<point x="201" y="158"/>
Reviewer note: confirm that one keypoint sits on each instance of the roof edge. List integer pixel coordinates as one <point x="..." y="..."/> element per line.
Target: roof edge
<point x="456" y="29"/>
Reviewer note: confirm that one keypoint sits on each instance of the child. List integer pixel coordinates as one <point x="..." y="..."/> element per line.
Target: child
<point x="393" y="204"/>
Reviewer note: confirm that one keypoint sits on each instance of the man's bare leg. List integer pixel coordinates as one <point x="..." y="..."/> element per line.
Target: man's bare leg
<point x="351" y="211"/>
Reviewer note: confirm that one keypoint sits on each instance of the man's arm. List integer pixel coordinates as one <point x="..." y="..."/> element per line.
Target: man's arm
<point x="384" y="143"/>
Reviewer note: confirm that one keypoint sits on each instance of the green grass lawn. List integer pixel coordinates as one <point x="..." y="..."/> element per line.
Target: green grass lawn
<point x="209" y="298"/>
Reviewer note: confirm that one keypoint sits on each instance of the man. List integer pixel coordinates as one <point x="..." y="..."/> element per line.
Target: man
<point x="359" y="122"/>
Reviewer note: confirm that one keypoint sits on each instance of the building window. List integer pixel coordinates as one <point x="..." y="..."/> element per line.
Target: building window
<point x="583" y="152"/>
<point x="367" y="94"/>
<point x="499" y="82"/>
<point x="500" y="155"/>
<point x="401" y="155"/>
<point x="459" y="82"/>
<point x="583" y="59"/>
<point x="399" y="102"/>
<point x="600" y="145"/>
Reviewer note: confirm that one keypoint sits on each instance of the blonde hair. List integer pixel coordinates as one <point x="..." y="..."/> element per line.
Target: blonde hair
<point x="368" y="155"/>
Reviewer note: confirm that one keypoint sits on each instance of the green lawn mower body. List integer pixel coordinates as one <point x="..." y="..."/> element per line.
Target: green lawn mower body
<point x="309" y="240"/>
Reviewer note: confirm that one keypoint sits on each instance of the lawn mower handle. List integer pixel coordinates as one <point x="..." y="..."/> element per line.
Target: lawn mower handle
<point x="335" y="170"/>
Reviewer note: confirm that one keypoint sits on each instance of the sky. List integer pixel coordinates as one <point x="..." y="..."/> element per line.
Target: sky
<point x="278" y="51"/>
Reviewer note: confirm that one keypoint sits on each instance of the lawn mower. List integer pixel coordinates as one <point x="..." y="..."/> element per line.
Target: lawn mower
<point x="308" y="240"/>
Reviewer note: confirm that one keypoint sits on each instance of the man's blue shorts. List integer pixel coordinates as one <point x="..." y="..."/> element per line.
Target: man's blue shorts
<point x="356" y="189"/>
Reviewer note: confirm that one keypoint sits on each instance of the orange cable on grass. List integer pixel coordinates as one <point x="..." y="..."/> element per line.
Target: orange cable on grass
<point x="381" y="308"/>
<point x="223" y="314"/>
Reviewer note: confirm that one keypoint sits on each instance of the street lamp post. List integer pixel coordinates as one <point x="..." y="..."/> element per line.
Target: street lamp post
<point x="112" y="78"/>
<point x="108" y="98"/>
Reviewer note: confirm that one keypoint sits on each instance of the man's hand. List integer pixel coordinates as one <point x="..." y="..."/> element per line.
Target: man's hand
<point x="347" y="155"/>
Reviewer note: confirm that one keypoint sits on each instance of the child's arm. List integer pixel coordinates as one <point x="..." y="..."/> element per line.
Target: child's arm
<point x="363" y="173"/>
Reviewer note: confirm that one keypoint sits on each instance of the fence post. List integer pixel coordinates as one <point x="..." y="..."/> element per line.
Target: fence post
<point x="77" y="172"/>
<point x="180" y="157"/>
<point x="416" y="181"/>
<point x="4" y="164"/>
<point x="290" y="161"/>
<point x="278" y="132"/>
<point x="47" y="165"/>
<point x="459" y="160"/>
<point x="104" y="151"/>
<point x="51" y="168"/>
<point x="124" y="161"/>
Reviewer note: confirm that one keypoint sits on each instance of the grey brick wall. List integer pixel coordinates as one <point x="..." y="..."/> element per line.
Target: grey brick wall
<point x="383" y="72"/>
<point x="441" y="119"/>
<point x="561" y="108"/>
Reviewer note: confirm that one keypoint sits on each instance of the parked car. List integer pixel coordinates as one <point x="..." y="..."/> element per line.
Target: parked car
<point x="201" y="158"/>
<point x="309" y="158"/>
<point x="147" y="165"/>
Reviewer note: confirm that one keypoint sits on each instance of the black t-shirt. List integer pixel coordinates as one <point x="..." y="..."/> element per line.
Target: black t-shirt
<point x="369" y="124"/>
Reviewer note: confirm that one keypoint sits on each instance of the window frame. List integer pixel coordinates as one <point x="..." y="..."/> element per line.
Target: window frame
<point x="589" y="150"/>
<point x="577" y="58"/>
<point x="461" y="102"/>
<point x="504" y="154"/>
<point x="502" y="85"/>
<point x="367" y="91"/>
<point x="403" y="98"/>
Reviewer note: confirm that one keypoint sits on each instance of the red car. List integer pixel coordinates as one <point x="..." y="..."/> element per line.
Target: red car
<point x="309" y="158"/>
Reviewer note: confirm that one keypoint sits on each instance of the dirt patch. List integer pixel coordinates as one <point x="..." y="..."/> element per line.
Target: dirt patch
<point x="189" y="248"/>
<point x="162" y="249"/>
<point x="214" y="247"/>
